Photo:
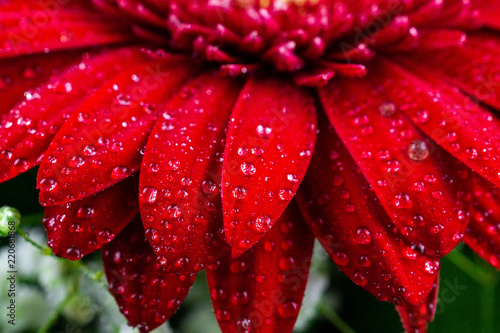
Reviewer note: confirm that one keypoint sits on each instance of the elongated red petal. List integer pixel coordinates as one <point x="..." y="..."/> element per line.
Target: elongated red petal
<point x="483" y="232"/>
<point x="471" y="67"/>
<point x="416" y="317"/>
<point x="56" y="26"/>
<point x="418" y="184"/>
<point x="181" y="175"/>
<point x="346" y="217"/>
<point x="261" y="291"/>
<point x="467" y="131"/>
<point x="269" y="143"/>
<point x="82" y="227"/>
<point x="26" y="132"/>
<point x="101" y="143"/>
<point x="146" y="295"/>
<point x="20" y="74"/>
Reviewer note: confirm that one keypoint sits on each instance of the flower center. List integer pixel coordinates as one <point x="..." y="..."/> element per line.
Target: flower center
<point x="316" y="36"/>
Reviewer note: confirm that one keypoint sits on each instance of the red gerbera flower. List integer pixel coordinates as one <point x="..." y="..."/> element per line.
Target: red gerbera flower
<point x="199" y="119"/>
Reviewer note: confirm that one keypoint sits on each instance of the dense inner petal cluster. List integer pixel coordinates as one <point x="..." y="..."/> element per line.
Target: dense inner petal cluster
<point x="323" y="37"/>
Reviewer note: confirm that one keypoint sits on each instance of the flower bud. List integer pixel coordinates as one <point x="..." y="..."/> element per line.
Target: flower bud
<point x="10" y="219"/>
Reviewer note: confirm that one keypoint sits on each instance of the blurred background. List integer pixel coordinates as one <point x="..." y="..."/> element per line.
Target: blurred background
<point x="60" y="296"/>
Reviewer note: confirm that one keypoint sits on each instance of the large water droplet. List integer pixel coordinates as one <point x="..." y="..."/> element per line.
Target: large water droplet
<point x="248" y="168"/>
<point x="387" y="109"/>
<point x="239" y="192"/>
<point x="418" y="150"/>
<point x="150" y="194"/>
<point x="264" y="131"/>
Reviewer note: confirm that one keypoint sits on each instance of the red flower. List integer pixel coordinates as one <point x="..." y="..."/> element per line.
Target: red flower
<point x="390" y="107"/>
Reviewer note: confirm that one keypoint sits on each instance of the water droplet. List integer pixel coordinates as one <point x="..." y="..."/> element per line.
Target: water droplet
<point x="340" y="258"/>
<point x="422" y="116"/>
<point x="186" y="181"/>
<point x="262" y="223"/>
<point x="364" y="261"/>
<point x="85" y="212"/>
<point x="471" y="153"/>
<point x="119" y="172"/>
<point x="48" y="184"/>
<point x="387" y="109"/>
<point x="239" y="266"/>
<point x="239" y="192"/>
<point x="123" y="99"/>
<point x="418" y="151"/>
<point x="286" y="194"/>
<point x="222" y="315"/>
<point x="209" y="187"/>
<point x="359" y="279"/>
<point x="286" y="263"/>
<point x="402" y="201"/>
<point x="288" y="309"/>
<point x="264" y="131"/>
<point x="74" y="253"/>
<point x="152" y="234"/>
<point x="363" y="236"/>
<point x="174" y="211"/>
<point x="242" y="151"/>
<point x="105" y="236"/>
<point x="88" y="150"/>
<point x="248" y="168"/>
<point x="431" y="266"/>
<point x="150" y="194"/>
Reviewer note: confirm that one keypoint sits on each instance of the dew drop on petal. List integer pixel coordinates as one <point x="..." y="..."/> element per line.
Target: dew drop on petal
<point x="264" y="131"/>
<point x="239" y="192"/>
<point x="262" y="223"/>
<point x="150" y="194"/>
<point x="418" y="150"/>
<point x="286" y="194"/>
<point x="387" y="109"/>
<point x="248" y="168"/>
<point x="288" y="309"/>
<point x="363" y="236"/>
<point x="340" y="258"/>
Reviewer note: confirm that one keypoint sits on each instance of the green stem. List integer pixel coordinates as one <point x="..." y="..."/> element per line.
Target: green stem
<point x="487" y="309"/>
<point x="468" y="267"/>
<point x="335" y="319"/>
<point x="94" y="276"/>
<point x="44" y="249"/>
<point x="54" y="316"/>
<point x="31" y="220"/>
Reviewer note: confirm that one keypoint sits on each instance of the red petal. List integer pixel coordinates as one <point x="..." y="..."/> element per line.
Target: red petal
<point x="82" y="227"/>
<point x="53" y="27"/>
<point x="488" y="13"/>
<point x="416" y="317"/>
<point x="468" y="132"/>
<point x="28" y="129"/>
<point x="19" y="74"/>
<point x="418" y="184"/>
<point x="262" y="290"/>
<point x="269" y="143"/>
<point x="483" y="231"/>
<point x="181" y="174"/>
<point x="100" y="143"/>
<point x="346" y="217"/>
<point x="472" y="67"/>
<point x="146" y="295"/>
